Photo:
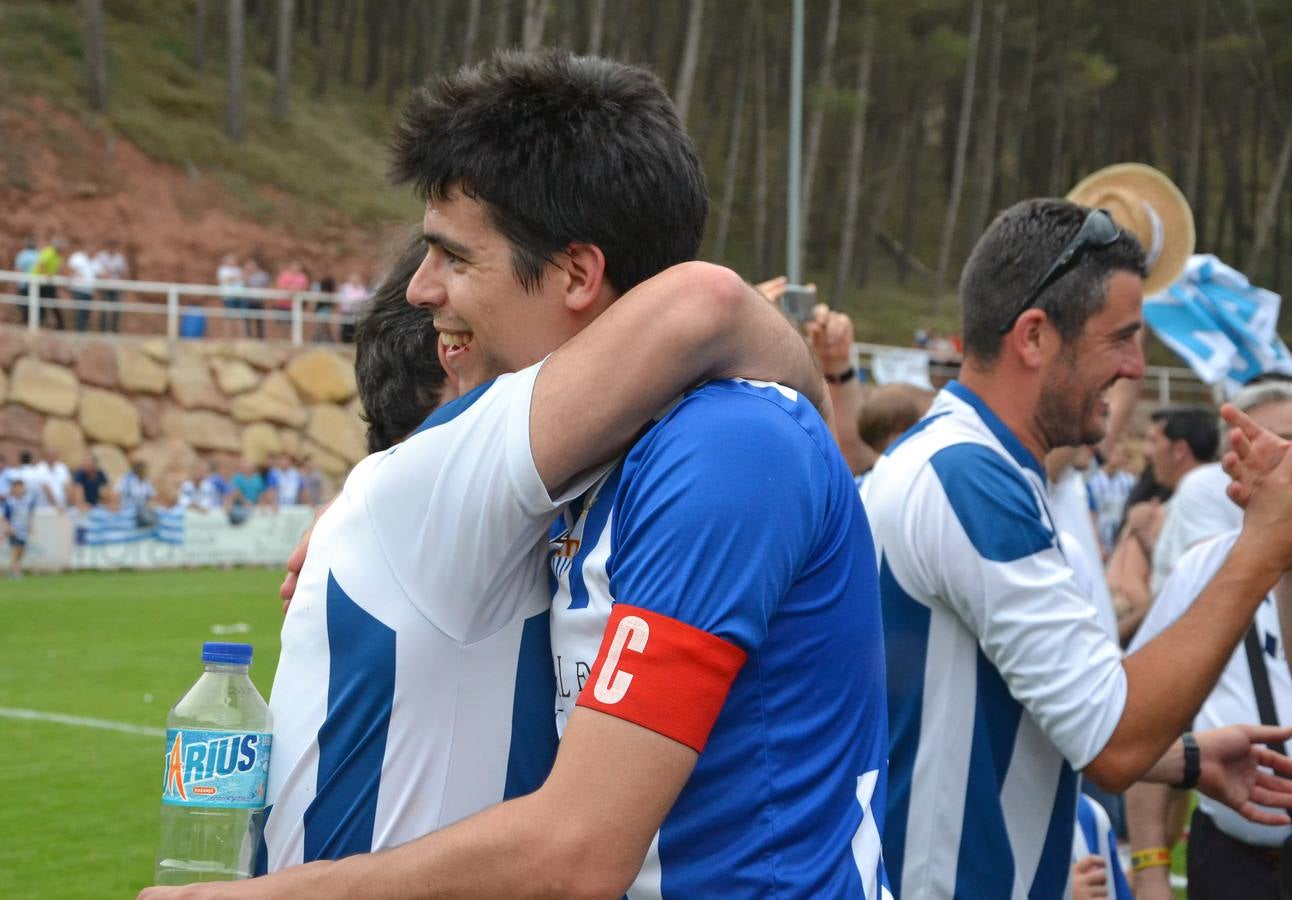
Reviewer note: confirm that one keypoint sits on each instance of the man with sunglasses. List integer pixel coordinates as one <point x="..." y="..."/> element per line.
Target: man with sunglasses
<point x="1001" y="684"/>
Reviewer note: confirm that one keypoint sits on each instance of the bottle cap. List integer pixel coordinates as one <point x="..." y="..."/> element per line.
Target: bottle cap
<point x="232" y="654"/>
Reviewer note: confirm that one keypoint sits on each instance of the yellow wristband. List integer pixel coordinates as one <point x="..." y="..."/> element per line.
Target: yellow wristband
<point x="1150" y="858"/>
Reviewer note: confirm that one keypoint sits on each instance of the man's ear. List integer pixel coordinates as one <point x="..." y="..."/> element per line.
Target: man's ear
<point x="1030" y="339"/>
<point x="584" y="266"/>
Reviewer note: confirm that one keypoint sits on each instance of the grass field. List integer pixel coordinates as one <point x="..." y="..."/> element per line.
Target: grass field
<point x="79" y="814"/>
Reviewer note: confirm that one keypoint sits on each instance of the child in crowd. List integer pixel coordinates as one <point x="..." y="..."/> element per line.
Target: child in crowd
<point x="18" y="508"/>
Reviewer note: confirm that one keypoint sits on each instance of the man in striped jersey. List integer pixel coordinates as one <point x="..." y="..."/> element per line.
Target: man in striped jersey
<point x="749" y="624"/>
<point x="1001" y="683"/>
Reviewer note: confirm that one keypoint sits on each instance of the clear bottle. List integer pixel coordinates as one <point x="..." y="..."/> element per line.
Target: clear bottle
<point x="216" y="771"/>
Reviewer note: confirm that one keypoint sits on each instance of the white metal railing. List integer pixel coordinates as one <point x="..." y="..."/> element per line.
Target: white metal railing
<point x="1171" y="383"/>
<point x="308" y="308"/>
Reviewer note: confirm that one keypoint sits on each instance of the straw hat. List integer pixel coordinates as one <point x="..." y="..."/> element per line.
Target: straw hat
<point x="1146" y="203"/>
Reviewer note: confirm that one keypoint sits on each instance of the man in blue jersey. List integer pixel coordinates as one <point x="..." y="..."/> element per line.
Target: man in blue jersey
<point x="1001" y="682"/>
<point x="730" y="736"/>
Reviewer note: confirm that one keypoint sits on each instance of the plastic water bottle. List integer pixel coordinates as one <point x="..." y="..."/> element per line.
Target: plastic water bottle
<point x="216" y="771"/>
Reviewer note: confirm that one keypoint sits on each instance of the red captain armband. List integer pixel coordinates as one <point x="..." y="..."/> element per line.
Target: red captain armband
<point x="661" y="674"/>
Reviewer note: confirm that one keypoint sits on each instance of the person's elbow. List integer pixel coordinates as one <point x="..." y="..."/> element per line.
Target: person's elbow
<point x="1116" y="768"/>
<point x="583" y="866"/>
<point x="703" y="298"/>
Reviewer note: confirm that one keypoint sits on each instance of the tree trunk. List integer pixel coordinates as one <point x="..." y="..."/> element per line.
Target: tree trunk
<point x="376" y="16"/>
<point x="535" y="18"/>
<point x="987" y="140"/>
<point x="327" y="49"/>
<point x="1193" y="161"/>
<point x="96" y="55"/>
<point x="816" y="125"/>
<point x="762" y="137"/>
<point x="282" y="59"/>
<point x="962" y="150"/>
<point x="502" y="25"/>
<point x="472" y="30"/>
<point x="1269" y="209"/>
<point x="1022" y="107"/>
<point x="237" y="55"/>
<point x="912" y="184"/>
<point x="199" y="35"/>
<point x="596" y="27"/>
<point x="351" y="10"/>
<point x="856" y="154"/>
<point x="733" y="153"/>
<point x="395" y="47"/>
<point x="690" y="57"/>
<point x="887" y="189"/>
<point x="1054" y="185"/>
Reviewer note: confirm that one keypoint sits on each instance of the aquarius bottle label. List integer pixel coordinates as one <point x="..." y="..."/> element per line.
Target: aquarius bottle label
<point x="228" y="769"/>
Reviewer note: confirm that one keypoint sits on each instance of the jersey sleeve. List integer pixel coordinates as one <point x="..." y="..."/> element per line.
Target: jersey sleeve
<point x="717" y="511"/>
<point x="459" y="508"/>
<point x="1001" y="570"/>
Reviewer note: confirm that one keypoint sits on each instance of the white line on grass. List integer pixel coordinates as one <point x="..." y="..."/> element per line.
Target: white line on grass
<point x="35" y="715"/>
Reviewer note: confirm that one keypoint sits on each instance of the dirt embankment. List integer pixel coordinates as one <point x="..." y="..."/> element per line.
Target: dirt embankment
<point x="61" y="176"/>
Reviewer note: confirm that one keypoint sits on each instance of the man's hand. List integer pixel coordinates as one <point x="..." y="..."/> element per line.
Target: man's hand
<point x="830" y="334"/>
<point x="1089" y="879"/>
<point x="1144" y="521"/>
<point x="1255" y="457"/>
<point x="773" y="289"/>
<point x="1231" y="758"/>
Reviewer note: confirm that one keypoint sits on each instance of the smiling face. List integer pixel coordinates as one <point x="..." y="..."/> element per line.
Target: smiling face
<point x="488" y="323"/>
<point x="1073" y="406"/>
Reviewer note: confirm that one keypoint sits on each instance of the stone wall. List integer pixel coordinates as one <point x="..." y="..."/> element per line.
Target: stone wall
<point x="171" y="403"/>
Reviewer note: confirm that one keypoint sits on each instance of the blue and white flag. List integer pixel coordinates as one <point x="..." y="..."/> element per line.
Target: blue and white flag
<point x="1220" y="324"/>
<point x="122" y="526"/>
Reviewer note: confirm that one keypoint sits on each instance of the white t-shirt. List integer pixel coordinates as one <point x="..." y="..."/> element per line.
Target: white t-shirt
<point x="55" y="476"/>
<point x="415" y="683"/>
<point x="84" y="270"/>
<point x="229" y="277"/>
<point x="1198" y="509"/>
<point x="1232" y="701"/>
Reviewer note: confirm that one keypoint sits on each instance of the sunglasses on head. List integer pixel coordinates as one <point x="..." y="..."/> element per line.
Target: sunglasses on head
<point x="1097" y="231"/>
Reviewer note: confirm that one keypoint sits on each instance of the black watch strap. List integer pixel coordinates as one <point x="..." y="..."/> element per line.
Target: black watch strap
<point x="1192" y="762"/>
<point x="843" y="377"/>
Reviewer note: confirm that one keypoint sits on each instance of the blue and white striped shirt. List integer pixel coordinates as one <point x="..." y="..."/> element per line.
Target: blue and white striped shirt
<point x="1000" y="679"/>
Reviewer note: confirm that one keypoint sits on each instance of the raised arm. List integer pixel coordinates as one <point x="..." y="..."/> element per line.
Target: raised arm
<point x="693" y="322"/>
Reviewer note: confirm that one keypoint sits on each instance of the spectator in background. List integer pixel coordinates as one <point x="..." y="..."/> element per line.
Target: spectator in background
<point x="84" y="270"/>
<point x="1110" y="485"/>
<point x="48" y="480"/>
<point x="284" y="480"/>
<point x="292" y="278"/>
<point x="323" y="310"/>
<point x="112" y="265"/>
<point x="18" y="508"/>
<point x="247" y="488"/>
<point x="354" y="293"/>
<point x="204" y="490"/>
<point x="887" y="412"/>
<point x="88" y="484"/>
<point x="311" y="482"/>
<point x="25" y="261"/>
<point x="49" y="262"/>
<point x="6" y="475"/>
<point x="229" y="277"/>
<point x="253" y="276"/>
<point x="134" y="492"/>
<point x="1183" y="442"/>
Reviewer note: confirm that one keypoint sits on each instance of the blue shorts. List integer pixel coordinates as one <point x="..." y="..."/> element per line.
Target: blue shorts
<point x="15" y="541"/>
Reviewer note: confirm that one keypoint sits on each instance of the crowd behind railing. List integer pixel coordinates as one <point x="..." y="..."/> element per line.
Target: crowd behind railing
<point x="88" y="290"/>
<point x="234" y="489"/>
